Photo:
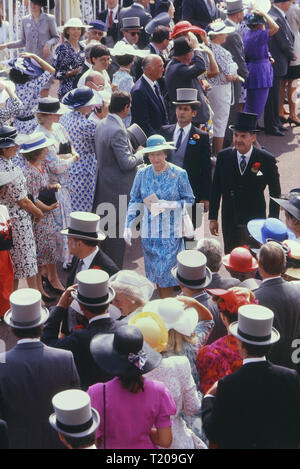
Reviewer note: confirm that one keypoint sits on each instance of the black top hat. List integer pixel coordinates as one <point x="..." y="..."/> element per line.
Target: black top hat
<point x="44" y="3"/>
<point x="124" y="353"/>
<point x="8" y="135"/>
<point x="181" y="47"/>
<point x="245" y="122"/>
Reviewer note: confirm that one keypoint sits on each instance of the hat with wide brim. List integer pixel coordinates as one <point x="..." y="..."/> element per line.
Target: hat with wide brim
<point x="26" y="66"/>
<point x="121" y="48"/>
<point x="51" y="105"/>
<point x="124" y="353"/>
<point x="35" y="141"/>
<point x="290" y="204"/>
<point x="81" y="97"/>
<point x="162" y="19"/>
<point x="219" y="27"/>
<point x="75" y="23"/>
<point x="185" y="27"/>
<point x="8" y="136"/>
<point x="153" y="329"/>
<point x="270" y="229"/>
<point x="156" y="143"/>
<point x="254" y="326"/>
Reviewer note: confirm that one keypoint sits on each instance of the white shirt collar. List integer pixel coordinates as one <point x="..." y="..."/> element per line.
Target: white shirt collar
<point x="186" y="130"/>
<point x="28" y="341"/>
<point x="254" y="360"/>
<point x="247" y="155"/>
<point x="89" y="259"/>
<point x="271" y="278"/>
<point x="151" y="83"/>
<point x="99" y="316"/>
<point x="114" y="10"/>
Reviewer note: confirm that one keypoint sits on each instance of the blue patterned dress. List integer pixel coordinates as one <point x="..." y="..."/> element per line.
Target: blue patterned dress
<point x="82" y="175"/>
<point x="161" y="237"/>
<point x="65" y="60"/>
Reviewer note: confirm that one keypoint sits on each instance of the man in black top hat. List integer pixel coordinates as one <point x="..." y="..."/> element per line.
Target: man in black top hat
<point x="241" y="176"/>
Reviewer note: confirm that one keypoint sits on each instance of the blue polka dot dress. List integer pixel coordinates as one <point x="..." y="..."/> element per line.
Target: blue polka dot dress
<point x="82" y="175"/>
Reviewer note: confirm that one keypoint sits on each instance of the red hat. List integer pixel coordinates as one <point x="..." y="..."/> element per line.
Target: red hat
<point x="231" y="300"/>
<point x="186" y="27"/>
<point x="240" y="260"/>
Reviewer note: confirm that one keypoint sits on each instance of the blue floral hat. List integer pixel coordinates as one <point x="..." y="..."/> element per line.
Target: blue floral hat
<point x="156" y="143"/>
<point x="27" y="66"/>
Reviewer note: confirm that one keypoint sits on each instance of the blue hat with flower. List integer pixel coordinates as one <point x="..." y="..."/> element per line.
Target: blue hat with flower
<point x="157" y="143"/>
<point x="27" y="66"/>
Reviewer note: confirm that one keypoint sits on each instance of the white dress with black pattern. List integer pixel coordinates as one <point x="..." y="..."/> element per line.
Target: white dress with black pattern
<point x="23" y="252"/>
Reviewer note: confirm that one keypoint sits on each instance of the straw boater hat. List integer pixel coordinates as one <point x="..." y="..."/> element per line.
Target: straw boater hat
<point x="124" y="353"/>
<point x="174" y="315"/>
<point x="186" y="96"/>
<point x="93" y="288"/>
<point x="191" y="270"/>
<point x="73" y="414"/>
<point x="271" y="229"/>
<point x="26" y="310"/>
<point x="156" y="143"/>
<point x="35" y="141"/>
<point x="84" y="225"/>
<point x="132" y="23"/>
<point x="293" y="259"/>
<point x="254" y="326"/>
<point x="121" y="48"/>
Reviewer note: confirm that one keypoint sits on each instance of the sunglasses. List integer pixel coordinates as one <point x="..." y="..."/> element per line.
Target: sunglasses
<point x="135" y="33"/>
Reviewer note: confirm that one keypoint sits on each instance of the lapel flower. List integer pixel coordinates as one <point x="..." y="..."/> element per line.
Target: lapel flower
<point x="256" y="167"/>
<point x="96" y="268"/>
<point x="194" y="139"/>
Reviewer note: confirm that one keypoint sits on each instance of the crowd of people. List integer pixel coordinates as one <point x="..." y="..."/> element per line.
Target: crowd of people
<point x="136" y="124"/>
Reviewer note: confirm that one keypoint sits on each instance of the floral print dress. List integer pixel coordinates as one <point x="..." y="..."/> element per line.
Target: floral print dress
<point x="45" y="231"/>
<point x="82" y="174"/>
<point x="23" y="252"/>
<point x="65" y="60"/>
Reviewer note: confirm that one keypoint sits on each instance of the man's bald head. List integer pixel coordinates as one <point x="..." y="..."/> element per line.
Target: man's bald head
<point x="95" y="80"/>
<point x="153" y="67"/>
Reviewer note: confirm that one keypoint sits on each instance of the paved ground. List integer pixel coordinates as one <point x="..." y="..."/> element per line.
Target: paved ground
<point x="286" y="150"/>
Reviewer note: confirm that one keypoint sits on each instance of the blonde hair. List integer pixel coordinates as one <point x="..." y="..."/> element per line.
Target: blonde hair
<point x="177" y="341"/>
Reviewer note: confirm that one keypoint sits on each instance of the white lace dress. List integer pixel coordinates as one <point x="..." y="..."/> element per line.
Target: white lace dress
<point x="175" y="373"/>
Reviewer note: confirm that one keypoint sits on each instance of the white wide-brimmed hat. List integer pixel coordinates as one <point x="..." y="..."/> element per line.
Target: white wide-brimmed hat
<point x="93" y="288"/>
<point x="191" y="270"/>
<point x="26" y="311"/>
<point x="35" y="141"/>
<point x="174" y="315"/>
<point x="84" y="225"/>
<point x="137" y="284"/>
<point x="73" y="414"/>
<point x="121" y="48"/>
<point x="75" y="23"/>
<point x="254" y="325"/>
<point x="219" y="27"/>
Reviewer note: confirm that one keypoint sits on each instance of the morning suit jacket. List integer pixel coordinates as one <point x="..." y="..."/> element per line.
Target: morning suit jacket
<point x="3" y="435"/>
<point x="147" y="109"/>
<point x="113" y="32"/>
<point x="197" y="13"/>
<point x="281" y="45"/>
<point x="79" y="344"/>
<point x="234" y="44"/>
<point x="243" y="195"/>
<point x="197" y="162"/>
<point x="31" y="375"/>
<point x="257" y="407"/>
<point x="283" y="298"/>
<point x="180" y="75"/>
<point x="101" y="260"/>
<point x="136" y="11"/>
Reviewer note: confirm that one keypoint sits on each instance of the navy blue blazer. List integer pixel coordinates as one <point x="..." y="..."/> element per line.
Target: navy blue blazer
<point x="196" y="12"/>
<point x="147" y="110"/>
<point x="281" y="45"/>
<point x="197" y="162"/>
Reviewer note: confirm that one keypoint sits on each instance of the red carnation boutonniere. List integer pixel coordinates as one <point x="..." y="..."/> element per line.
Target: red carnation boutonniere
<point x="96" y="268"/>
<point x="256" y="167"/>
<point x="194" y="139"/>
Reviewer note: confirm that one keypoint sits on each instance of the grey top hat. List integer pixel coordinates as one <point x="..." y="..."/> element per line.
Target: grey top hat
<point x="84" y="225"/>
<point x="254" y="325"/>
<point x="137" y="136"/>
<point x="191" y="270"/>
<point x="93" y="288"/>
<point x="234" y="6"/>
<point x="74" y="415"/>
<point x="26" y="309"/>
<point x="187" y="96"/>
<point x="131" y="23"/>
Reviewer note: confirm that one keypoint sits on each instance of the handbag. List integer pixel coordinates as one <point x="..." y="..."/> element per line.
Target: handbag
<point x="47" y="196"/>
<point x="187" y="228"/>
<point x="64" y="148"/>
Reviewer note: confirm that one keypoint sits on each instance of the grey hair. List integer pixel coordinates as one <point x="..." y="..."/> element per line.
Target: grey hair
<point x="211" y="248"/>
<point x="147" y="61"/>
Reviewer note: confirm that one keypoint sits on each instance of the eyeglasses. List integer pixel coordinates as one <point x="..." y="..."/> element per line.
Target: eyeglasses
<point x="135" y="33"/>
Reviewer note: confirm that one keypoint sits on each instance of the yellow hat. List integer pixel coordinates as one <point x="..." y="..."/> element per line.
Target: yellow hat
<point x="153" y="329"/>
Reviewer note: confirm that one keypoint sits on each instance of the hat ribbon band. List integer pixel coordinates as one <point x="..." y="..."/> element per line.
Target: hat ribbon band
<point x="139" y="360"/>
<point x="293" y="263"/>
<point x="83" y="233"/>
<point x="75" y="428"/>
<point x="30" y="323"/>
<point x="92" y="301"/>
<point x="191" y="282"/>
<point x="254" y="338"/>
<point x="8" y="139"/>
<point x="28" y="146"/>
<point x="48" y="107"/>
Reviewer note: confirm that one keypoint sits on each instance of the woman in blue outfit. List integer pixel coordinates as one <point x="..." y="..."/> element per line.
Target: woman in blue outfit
<point x="258" y="60"/>
<point x="69" y="56"/>
<point x="81" y="131"/>
<point x="163" y="189"/>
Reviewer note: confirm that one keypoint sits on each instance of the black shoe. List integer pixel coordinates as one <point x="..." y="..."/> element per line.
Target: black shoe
<point x="283" y="129"/>
<point x="49" y="285"/>
<point x="276" y="133"/>
<point x="283" y="119"/>
<point x="292" y="121"/>
<point x="48" y="299"/>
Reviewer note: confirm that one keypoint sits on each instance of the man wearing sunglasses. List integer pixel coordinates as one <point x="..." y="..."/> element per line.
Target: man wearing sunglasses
<point x="138" y="10"/>
<point x="131" y="31"/>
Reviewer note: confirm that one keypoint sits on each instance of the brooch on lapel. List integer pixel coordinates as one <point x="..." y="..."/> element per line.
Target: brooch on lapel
<point x="256" y="167"/>
<point x="194" y="140"/>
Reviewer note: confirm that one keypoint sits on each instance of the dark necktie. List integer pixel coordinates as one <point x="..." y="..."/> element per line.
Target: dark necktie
<point x="161" y="99"/>
<point x="179" y="140"/>
<point x="79" y="267"/>
<point x="243" y="164"/>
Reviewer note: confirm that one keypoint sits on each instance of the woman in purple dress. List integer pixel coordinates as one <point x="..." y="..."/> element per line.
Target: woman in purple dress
<point x="258" y="60"/>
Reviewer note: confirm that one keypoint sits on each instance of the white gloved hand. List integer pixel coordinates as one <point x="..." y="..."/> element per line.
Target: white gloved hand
<point x="170" y="204"/>
<point x="127" y="236"/>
